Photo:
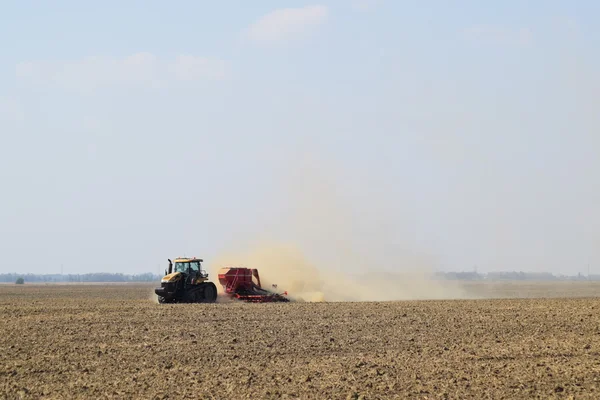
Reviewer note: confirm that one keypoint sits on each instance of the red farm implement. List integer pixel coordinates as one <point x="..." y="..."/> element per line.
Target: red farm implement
<point x="239" y="283"/>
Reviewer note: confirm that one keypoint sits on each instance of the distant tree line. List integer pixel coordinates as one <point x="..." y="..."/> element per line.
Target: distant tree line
<point x="149" y="277"/>
<point x="91" y="277"/>
<point x="515" y="276"/>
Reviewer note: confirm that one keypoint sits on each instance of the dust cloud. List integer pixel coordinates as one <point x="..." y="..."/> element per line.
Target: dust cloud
<point x="152" y="296"/>
<point x="288" y="268"/>
<point x="319" y="248"/>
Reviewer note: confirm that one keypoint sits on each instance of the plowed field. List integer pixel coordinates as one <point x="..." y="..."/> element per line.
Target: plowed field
<point x="114" y="342"/>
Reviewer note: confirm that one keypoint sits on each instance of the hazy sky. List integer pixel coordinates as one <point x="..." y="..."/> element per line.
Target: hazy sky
<point x="466" y="132"/>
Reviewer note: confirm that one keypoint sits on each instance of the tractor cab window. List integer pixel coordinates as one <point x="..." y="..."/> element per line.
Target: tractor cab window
<point x="195" y="267"/>
<point x="180" y="267"/>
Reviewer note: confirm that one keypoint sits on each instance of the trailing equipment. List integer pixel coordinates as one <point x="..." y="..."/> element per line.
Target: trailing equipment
<point x="239" y="284"/>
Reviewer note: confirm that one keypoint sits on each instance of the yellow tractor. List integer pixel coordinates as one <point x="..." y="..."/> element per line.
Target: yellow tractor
<point x="186" y="282"/>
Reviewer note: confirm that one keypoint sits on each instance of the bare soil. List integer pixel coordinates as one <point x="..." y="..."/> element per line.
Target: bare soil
<point x="67" y="341"/>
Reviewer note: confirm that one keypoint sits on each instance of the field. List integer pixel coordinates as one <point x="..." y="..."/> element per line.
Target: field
<point x="91" y="341"/>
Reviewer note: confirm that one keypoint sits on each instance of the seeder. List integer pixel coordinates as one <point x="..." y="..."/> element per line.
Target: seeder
<point x="239" y="284"/>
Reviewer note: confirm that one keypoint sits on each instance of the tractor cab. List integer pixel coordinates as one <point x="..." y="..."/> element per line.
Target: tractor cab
<point x="188" y="269"/>
<point x="193" y="269"/>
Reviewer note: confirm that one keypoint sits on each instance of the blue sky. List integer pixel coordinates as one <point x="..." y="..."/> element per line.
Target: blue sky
<point x="367" y="134"/>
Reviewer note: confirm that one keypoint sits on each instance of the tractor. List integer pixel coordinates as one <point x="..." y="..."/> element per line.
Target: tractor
<point x="186" y="282"/>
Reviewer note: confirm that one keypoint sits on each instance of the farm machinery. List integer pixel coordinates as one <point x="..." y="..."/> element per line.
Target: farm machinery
<point x="239" y="284"/>
<point x="186" y="282"/>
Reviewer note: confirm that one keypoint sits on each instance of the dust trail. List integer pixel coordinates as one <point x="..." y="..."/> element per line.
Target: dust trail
<point x="287" y="267"/>
<point x="152" y="296"/>
<point x="323" y="249"/>
<point x="281" y="265"/>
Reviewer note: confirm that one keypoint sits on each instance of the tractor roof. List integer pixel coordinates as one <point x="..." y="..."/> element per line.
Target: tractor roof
<point x="187" y="259"/>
